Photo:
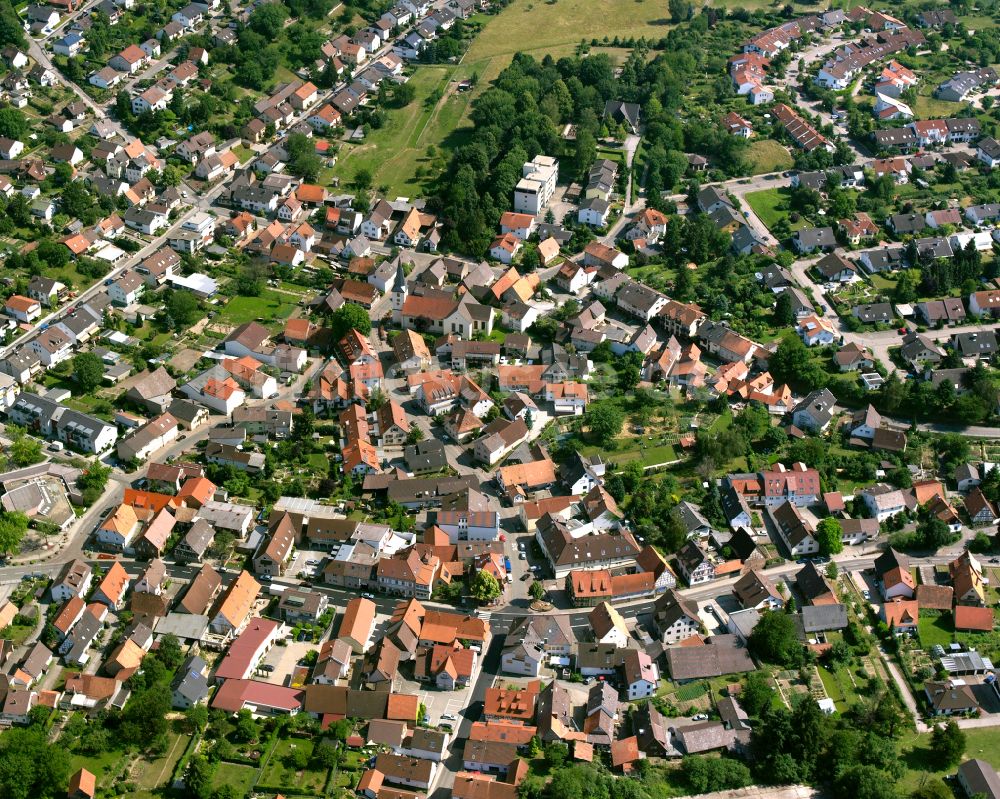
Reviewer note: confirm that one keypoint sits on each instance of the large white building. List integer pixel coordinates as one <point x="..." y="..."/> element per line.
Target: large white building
<point x="537" y="184"/>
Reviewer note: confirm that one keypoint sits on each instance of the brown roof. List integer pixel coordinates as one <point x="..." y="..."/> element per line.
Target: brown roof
<point x="624" y="752"/>
<point x="517" y="704"/>
<point x="520" y="734"/>
<point x="935" y="597"/>
<point x="201" y="591"/>
<point x="68" y="614"/>
<point x="83" y="782"/>
<point x="115" y="582"/>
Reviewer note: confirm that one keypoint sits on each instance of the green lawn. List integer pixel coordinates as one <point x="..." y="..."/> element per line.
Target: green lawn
<point x="771" y="205"/>
<point x="99" y="765"/>
<point x="277" y="772"/>
<point x="18" y="633"/>
<point x="536" y="26"/>
<point x="648" y="456"/>
<point x="935" y="630"/>
<point x="927" y="107"/>
<point x="243" y="152"/>
<point x="767" y="155"/>
<point x="982" y="743"/>
<point x="832" y="686"/>
<point x="269" y="306"/>
<point x="242" y="778"/>
<point x="882" y="283"/>
<point x="157" y="772"/>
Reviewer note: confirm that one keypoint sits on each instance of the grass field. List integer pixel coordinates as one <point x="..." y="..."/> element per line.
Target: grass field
<point x="99" y="765"/>
<point x="927" y="107"/>
<point x="242" y="778"/>
<point x="394" y="152"/>
<point x="935" y="630"/>
<point x="771" y="205"/>
<point x="277" y="772"/>
<point x="767" y="155"/>
<point x="156" y="773"/>
<point x="536" y="26"/>
<point x="268" y="306"/>
<point x="982" y="743"/>
<point x="647" y="456"/>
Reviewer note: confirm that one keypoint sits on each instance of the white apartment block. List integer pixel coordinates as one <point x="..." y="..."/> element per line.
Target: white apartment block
<point x="537" y="184"/>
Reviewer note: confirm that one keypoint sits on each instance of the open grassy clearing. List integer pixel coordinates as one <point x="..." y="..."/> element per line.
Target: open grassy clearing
<point x="771" y="205"/>
<point x="927" y="107"/>
<point x="270" y="305"/>
<point x="767" y="155"/>
<point x="647" y="456"/>
<point x="279" y="772"/>
<point x="393" y="152"/>
<point x="150" y="774"/>
<point x="242" y="778"/>
<point x="915" y="751"/>
<point x="525" y="24"/>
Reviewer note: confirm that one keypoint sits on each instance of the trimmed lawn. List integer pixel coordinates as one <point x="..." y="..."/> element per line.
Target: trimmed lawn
<point x="832" y="687"/>
<point x="882" y="283"/>
<point x="648" y="456"/>
<point x="157" y="772"/>
<point x="935" y="630"/>
<point x="243" y="152"/>
<point x="771" y="205"/>
<point x="927" y="107"/>
<point x="242" y="778"/>
<point x="767" y="155"/>
<point x="99" y="765"/>
<point x="270" y="306"/>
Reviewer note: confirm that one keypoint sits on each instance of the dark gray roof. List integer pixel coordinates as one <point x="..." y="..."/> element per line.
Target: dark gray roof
<point x="190" y="681"/>
<point x="875" y="312"/>
<point x="816" y="618"/>
<point x="721" y="655"/>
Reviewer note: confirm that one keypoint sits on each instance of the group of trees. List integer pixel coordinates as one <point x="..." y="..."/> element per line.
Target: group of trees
<point x="181" y="309"/>
<point x="516" y="118"/>
<point x="303" y="159"/>
<point x="855" y="753"/>
<point x="921" y="399"/>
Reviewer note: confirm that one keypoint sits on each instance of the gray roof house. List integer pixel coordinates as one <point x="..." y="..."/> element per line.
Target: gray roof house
<point x="820" y="618"/>
<point x="874" y="313"/>
<point x="815" y="411"/>
<point x="814" y="238"/>
<point x="190" y="687"/>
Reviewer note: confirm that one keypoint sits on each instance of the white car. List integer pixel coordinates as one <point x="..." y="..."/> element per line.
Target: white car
<point x="449" y="717"/>
<point x="521" y="556"/>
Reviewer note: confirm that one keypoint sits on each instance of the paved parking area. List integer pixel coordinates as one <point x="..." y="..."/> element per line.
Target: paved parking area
<point x="439" y="703"/>
<point x="284" y="659"/>
<point x="299" y="566"/>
